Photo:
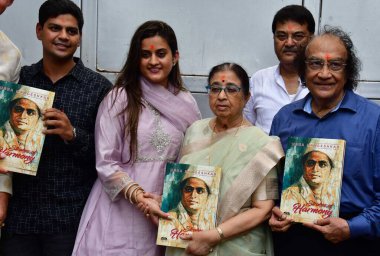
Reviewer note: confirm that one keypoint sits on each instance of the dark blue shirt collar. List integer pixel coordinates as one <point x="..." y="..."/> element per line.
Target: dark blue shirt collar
<point x="75" y="72"/>
<point x="348" y="102"/>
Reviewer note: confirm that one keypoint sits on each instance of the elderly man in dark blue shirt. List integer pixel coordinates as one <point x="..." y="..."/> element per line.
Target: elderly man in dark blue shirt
<point x="332" y="110"/>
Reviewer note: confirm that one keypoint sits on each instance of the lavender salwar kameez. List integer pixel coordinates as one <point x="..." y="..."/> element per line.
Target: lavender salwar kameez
<point x="110" y="224"/>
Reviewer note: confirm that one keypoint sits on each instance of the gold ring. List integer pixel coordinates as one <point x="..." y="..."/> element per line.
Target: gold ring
<point x="211" y="250"/>
<point x="282" y="217"/>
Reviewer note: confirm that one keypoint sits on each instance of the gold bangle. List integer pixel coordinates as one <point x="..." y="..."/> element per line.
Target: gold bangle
<point x="138" y="192"/>
<point x="134" y="195"/>
<point x="127" y="188"/>
<point x="131" y="194"/>
<point x="220" y="232"/>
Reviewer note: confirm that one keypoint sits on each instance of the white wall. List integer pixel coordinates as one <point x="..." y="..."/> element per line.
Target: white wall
<point x="208" y="31"/>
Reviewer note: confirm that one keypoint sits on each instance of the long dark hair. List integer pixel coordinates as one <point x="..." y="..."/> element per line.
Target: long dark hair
<point x="129" y="77"/>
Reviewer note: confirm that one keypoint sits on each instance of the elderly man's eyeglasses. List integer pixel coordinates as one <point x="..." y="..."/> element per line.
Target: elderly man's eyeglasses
<point x="230" y="89"/>
<point x="29" y="111"/>
<point x="297" y="37"/>
<point x="321" y="163"/>
<point x="332" y="65"/>
<point x="190" y="189"/>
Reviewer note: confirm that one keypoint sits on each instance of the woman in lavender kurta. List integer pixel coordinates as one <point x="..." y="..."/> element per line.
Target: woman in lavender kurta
<point x="140" y="126"/>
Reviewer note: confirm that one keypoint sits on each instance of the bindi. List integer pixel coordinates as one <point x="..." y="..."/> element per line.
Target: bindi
<point x="327" y="56"/>
<point x="151" y="47"/>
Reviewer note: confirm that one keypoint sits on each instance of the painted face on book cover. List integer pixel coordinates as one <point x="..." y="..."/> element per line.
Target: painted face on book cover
<point x="325" y="84"/>
<point x="60" y="37"/>
<point x="194" y="195"/>
<point x="227" y="105"/>
<point x="290" y="38"/>
<point x="157" y="60"/>
<point x="24" y="116"/>
<point x="317" y="168"/>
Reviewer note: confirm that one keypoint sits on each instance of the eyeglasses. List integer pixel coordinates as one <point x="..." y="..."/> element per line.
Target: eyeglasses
<point x="321" y="163"/>
<point x="332" y="65"/>
<point x="29" y="111"/>
<point x="230" y="89"/>
<point x="297" y="37"/>
<point x="190" y="189"/>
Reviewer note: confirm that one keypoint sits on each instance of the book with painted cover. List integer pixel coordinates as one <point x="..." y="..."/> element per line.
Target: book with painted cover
<point x="21" y="125"/>
<point x="190" y="196"/>
<point x="312" y="178"/>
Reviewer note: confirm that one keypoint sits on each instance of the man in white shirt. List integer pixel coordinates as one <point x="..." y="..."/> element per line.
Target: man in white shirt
<point x="271" y="88"/>
<point x="10" y="59"/>
<point x="10" y="56"/>
<point x="10" y="64"/>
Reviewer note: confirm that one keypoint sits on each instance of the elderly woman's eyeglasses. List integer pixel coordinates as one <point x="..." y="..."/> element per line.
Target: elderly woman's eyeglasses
<point x="190" y="189"/>
<point x="332" y="65"/>
<point x="230" y="89"/>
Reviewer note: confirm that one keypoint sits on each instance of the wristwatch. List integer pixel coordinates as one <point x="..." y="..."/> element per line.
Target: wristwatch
<point x="74" y="137"/>
<point x="74" y="134"/>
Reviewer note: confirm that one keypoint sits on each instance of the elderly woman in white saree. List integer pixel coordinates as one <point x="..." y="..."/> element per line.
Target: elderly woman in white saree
<point x="248" y="158"/>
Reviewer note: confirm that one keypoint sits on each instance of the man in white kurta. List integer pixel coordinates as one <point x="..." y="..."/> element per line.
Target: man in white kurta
<point x="10" y="64"/>
<point x="272" y="88"/>
<point x="268" y="95"/>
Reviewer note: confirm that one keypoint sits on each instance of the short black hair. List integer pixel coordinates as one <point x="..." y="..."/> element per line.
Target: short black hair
<point x="54" y="8"/>
<point x="296" y="13"/>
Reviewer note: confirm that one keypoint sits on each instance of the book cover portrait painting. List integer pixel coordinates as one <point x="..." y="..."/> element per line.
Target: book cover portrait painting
<point x="190" y="196"/>
<point x="21" y="125"/>
<point x="312" y="178"/>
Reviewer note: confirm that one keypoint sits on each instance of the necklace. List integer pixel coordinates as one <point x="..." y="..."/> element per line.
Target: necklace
<point x="229" y="148"/>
